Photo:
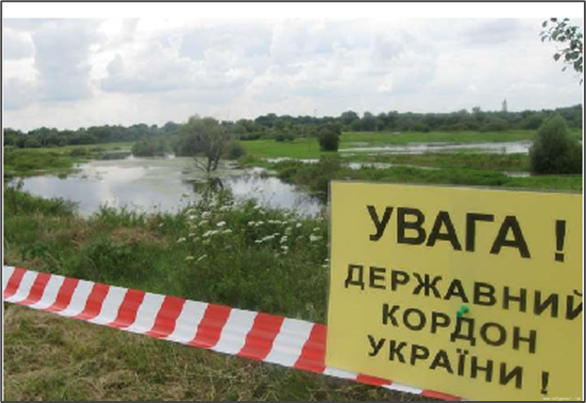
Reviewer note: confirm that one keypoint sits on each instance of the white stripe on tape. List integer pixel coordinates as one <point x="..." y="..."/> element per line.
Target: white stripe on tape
<point x="235" y="330"/>
<point x="50" y="292"/>
<point x="289" y="342"/>
<point x="188" y="322"/>
<point x="6" y="274"/>
<point x="147" y="313"/>
<point x="110" y="306"/>
<point x="403" y="388"/>
<point x="340" y="373"/>
<point x="78" y="299"/>
<point x="24" y="288"/>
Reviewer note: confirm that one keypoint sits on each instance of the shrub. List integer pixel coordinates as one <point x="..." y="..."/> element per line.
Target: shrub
<point x="284" y="137"/>
<point x="329" y="138"/>
<point x="79" y="152"/>
<point x="554" y="151"/>
<point x="533" y="122"/>
<point x="495" y="125"/>
<point x="421" y="127"/>
<point x="150" y="148"/>
<point x="234" y="150"/>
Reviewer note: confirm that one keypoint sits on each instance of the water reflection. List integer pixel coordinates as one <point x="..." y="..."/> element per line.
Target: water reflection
<point x="512" y="147"/>
<point x="161" y="185"/>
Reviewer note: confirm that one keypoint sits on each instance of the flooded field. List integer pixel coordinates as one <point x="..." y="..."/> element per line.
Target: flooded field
<point x="513" y="147"/>
<point x="149" y="184"/>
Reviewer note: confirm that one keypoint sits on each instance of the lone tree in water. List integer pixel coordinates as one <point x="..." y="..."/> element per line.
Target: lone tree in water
<point x="206" y="140"/>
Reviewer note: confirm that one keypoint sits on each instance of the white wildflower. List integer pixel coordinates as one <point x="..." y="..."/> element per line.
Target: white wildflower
<point x="257" y="207"/>
<point x="298" y="225"/>
<point x="314" y="238"/>
<point x="188" y="258"/>
<point x="203" y="222"/>
<point x="182" y="239"/>
<point x="221" y="224"/>
<point x="202" y="257"/>
<point x="228" y="231"/>
<point x="251" y="223"/>
<point x="161" y="225"/>
<point x="206" y="214"/>
<point x="285" y="247"/>
<point x="225" y="208"/>
<point x="288" y="231"/>
<point x="316" y="229"/>
<point x="208" y="233"/>
<point x="284" y="239"/>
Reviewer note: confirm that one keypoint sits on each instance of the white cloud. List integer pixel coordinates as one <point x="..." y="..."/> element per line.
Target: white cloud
<point x="70" y="73"/>
<point x="16" y="45"/>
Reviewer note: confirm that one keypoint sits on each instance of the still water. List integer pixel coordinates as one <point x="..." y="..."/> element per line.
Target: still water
<point x="152" y="185"/>
<point x="512" y="147"/>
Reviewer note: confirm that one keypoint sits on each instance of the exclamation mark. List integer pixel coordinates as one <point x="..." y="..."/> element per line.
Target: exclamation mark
<point x="544" y="382"/>
<point x="560" y="235"/>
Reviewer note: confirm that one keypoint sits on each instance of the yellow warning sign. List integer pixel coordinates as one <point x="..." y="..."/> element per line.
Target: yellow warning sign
<point x="471" y="292"/>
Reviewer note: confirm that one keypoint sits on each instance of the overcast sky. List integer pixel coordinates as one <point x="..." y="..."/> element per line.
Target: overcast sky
<point x="71" y="73"/>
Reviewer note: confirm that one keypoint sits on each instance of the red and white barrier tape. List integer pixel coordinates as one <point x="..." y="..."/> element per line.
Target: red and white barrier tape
<point x="258" y="336"/>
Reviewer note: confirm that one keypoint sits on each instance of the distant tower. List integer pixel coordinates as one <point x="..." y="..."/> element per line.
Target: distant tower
<point x="504" y="108"/>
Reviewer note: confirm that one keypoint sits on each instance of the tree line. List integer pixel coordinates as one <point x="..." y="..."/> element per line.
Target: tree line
<point x="287" y="128"/>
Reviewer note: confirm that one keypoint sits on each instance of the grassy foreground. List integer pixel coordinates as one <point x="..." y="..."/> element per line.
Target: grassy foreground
<point x="47" y="357"/>
<point x="244" y="256"/>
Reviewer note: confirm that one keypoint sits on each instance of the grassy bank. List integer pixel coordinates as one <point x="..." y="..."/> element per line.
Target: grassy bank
<point x="243" y="256"/>
<point x="308" y="147"/>
<point x="315" y="177"/>
<point x="386" y="138"/>
<point x="56" y="160"/>
<point x="464" y="160"/>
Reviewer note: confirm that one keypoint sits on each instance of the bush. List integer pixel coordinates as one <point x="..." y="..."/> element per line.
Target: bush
<point x="79" y="152"/>
<point x="284" y="137"/>
<point x="495" y="125"/>
<point x="533" y="122"/>
<point x="249" y="137"/>
<point x="329" y="138"/>
<point x="554" y="151"/>
<point x="421" y="127"/>
<point x="150" y="148"/>
<point x="234" y="150"/>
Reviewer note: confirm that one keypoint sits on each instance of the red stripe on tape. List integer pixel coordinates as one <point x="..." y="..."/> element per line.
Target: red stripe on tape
<point x="313" y="354"/>
<point x="372" y="380"/>
<point x="37" y="289"/>
<point x="94" y="302"/>
<point x="260" y="338"/>
<point x="210" y="328"/>
<point x="439" y="395"/>
<point x="14" y="282"/>
<point x="128" y="309"/>
<point x="64" y="295"/>
<point x="167" y="317"/>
